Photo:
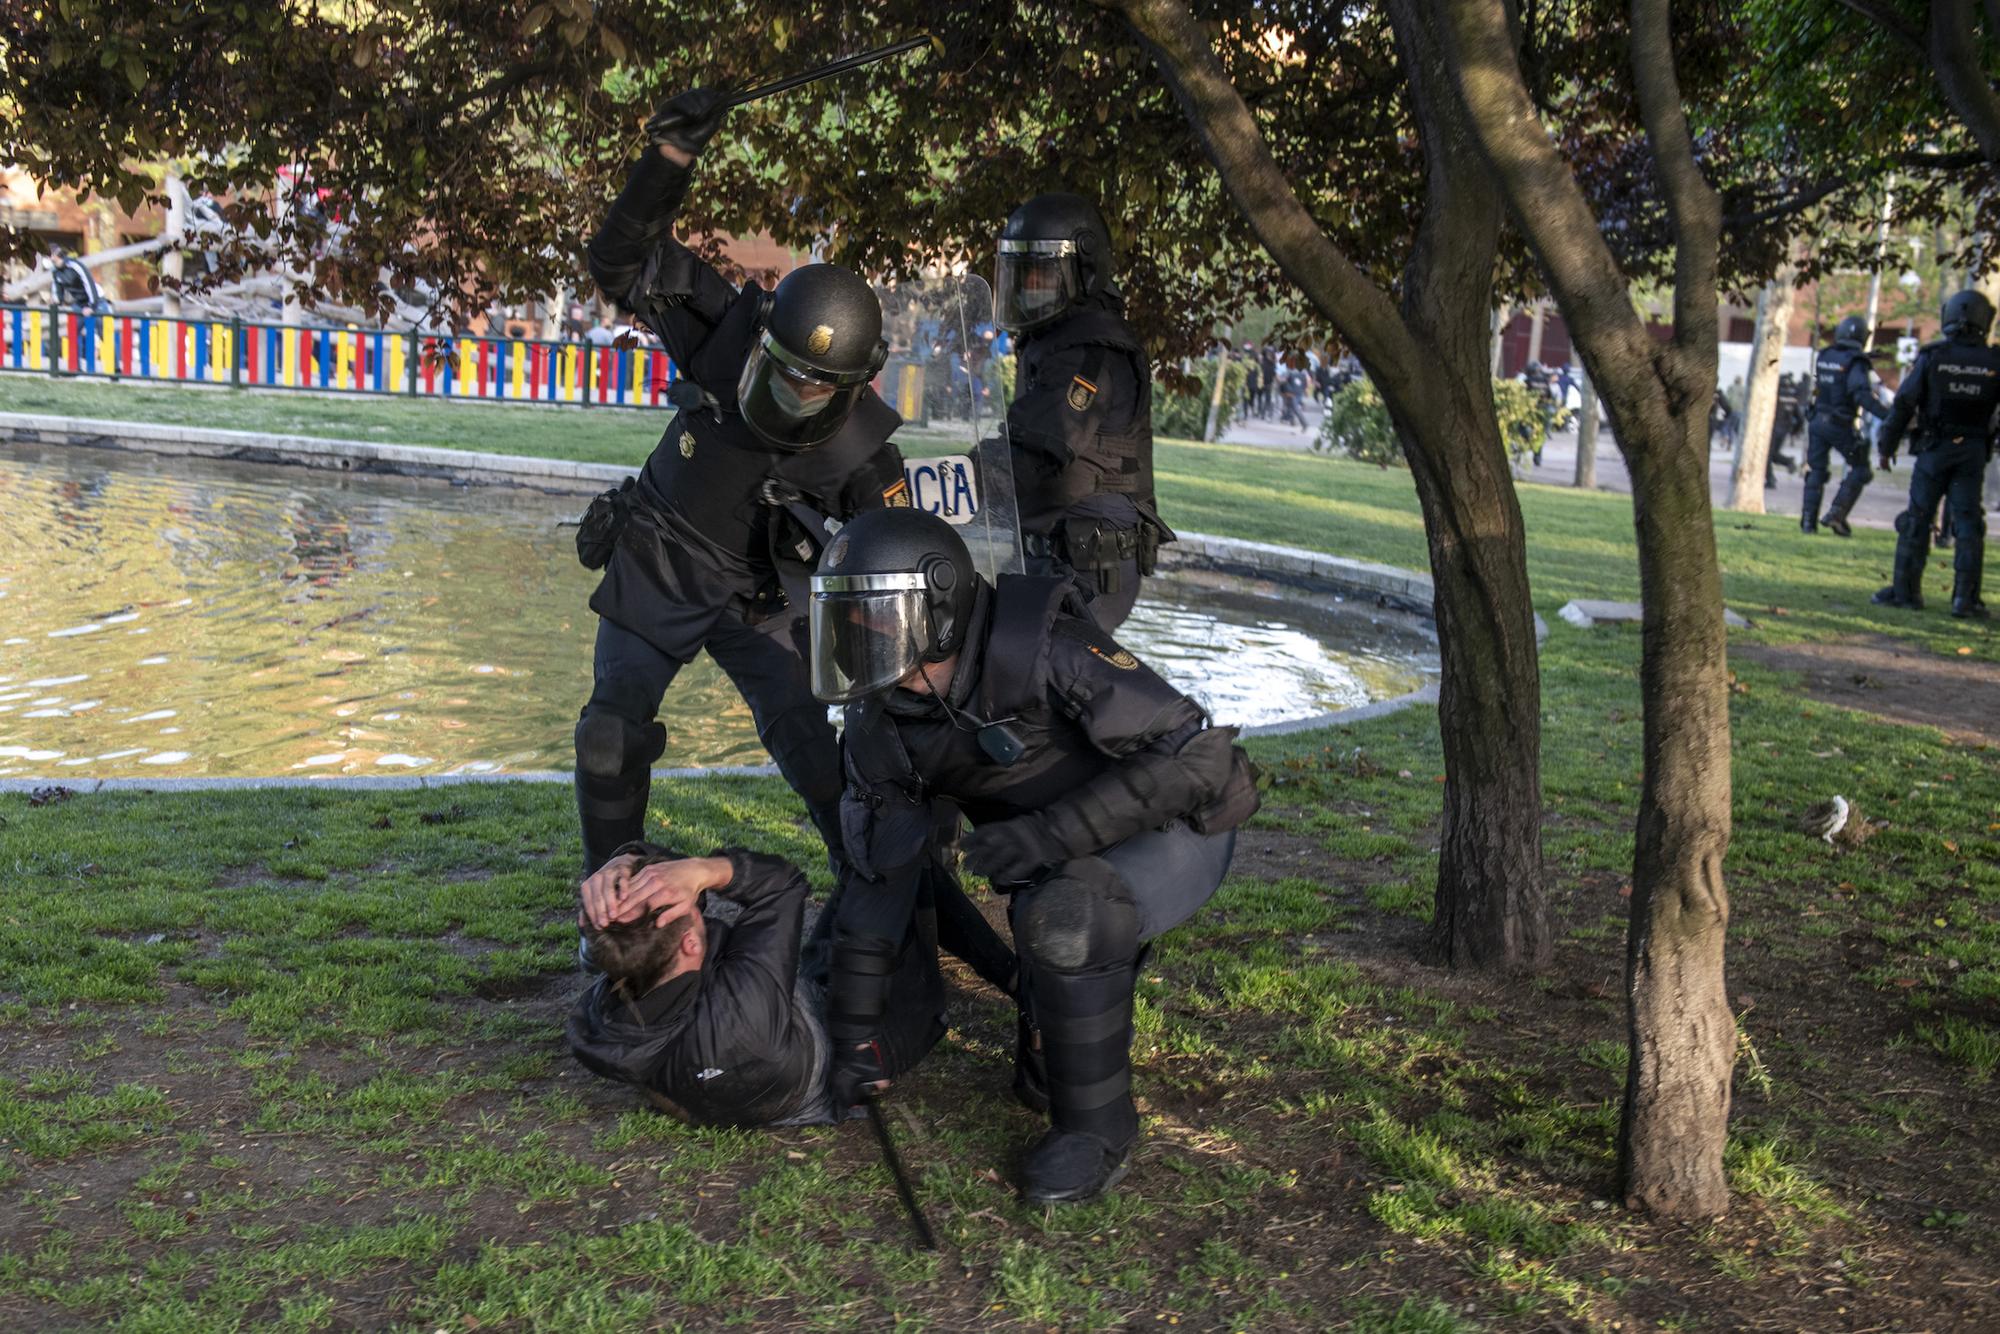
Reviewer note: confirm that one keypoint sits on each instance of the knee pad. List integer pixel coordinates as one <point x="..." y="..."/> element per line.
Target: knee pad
<point x="1903" y="523"/>
<point x="609" y="747"/>
<point x="1081" y="917"/>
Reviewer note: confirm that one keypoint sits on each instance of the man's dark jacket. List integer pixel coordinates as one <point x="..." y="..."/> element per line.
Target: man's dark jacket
<point x="731" y="1045"/>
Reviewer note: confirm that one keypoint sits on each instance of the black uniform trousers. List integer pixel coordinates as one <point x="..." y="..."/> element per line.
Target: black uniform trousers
<point x="765" y="662"/>
<point x="1825" y="438"/>
<point x="1953" y="472"/>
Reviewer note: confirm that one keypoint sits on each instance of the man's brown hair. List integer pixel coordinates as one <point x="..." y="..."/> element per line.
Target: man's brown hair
<point x="634" y="954"/>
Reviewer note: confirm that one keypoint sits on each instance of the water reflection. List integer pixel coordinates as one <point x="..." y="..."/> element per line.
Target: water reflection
<point x="171" y="616"/>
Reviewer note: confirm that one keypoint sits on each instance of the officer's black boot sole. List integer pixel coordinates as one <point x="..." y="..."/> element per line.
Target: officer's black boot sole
<point x="1970" y="611"/>
<point x="1837" y="525"/>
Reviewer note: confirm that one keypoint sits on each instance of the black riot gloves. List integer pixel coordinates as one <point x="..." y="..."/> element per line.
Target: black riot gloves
<point x="858" y="1073"/>
<point x="689" y="121"/>
<point x="1009" y="851"/>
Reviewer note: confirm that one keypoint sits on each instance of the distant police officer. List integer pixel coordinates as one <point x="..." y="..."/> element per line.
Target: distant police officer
<point x="1100" y="798"/>
<point x="782" y="433"/>
<point x="1081" y="423"/>
<point x="1842" y="383"/>
<point x="1954" y="391"/>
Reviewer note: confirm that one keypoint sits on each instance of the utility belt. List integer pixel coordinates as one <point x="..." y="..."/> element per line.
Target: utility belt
<point x="1102" y="546"/>
<point x="1096" y="546"/>
<point x="1939" y="439"/>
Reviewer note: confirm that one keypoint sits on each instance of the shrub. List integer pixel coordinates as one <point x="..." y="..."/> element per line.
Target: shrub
<point x="1357" y="423"/>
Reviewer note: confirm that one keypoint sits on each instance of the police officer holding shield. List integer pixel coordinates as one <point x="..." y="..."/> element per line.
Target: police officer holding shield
<point x="779" y="432"/>
<point x="1101" y="801"/>
<point x="1953" y="391"/>
<point x="1842" y="383"/>
<point x="1080" y="427"/>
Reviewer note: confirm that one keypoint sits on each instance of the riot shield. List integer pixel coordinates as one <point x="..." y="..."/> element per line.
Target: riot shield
<point x="940" y="378"/>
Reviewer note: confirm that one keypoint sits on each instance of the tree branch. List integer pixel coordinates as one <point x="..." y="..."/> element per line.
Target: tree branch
<point x="1889" y="21"/>
<point x="1954" y="56"/>
<point x="1365" y="316"/>
<point x="1692" y="205"/>
<point x="1542" y="194"/>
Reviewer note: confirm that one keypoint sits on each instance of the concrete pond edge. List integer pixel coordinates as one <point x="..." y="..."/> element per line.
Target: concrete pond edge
<point x="1285" y="574"/>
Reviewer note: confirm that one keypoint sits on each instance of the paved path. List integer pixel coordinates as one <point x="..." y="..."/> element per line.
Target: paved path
<point x="1880" y="503"/>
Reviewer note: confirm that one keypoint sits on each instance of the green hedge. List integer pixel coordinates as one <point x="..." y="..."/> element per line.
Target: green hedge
<point x="1357" y="423"/>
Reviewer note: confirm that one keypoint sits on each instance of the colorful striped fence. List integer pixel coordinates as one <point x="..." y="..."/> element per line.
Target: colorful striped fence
<point x="53" y="341"/>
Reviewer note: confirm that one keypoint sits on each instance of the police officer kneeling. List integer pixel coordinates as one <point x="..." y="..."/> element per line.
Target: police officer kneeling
<point x="1100" y="798"/>
<point x="1954" y="391"/>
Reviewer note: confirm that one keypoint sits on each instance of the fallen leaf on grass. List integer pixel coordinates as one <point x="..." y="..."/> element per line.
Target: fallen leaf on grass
<point x="1964" y="650"/>
<point x="381" y="822"/>
<point x="1904" y="981"/>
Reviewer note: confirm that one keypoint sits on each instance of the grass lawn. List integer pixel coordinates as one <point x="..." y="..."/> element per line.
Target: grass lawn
<point x="294" y="1060"/>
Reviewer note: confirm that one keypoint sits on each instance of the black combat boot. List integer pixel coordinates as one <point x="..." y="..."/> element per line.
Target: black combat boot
<point x="1843" y="504"/>
<point x="1086" y="1041"/>
<point x="1808" y="525"/>
<point x="1906" y="579"/>
<point x="1965" y="603"/>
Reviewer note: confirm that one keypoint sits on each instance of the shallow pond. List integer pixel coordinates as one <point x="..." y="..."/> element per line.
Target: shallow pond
<point x="183" y="617"/>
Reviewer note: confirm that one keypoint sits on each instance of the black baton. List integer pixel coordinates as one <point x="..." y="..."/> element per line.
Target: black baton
<point x="917" y="1219"/>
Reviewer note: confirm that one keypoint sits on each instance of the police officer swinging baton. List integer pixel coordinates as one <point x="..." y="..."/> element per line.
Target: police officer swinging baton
<point x="840" y="66"/>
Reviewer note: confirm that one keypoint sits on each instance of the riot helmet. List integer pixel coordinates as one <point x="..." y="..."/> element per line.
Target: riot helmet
<point x="1853" y="330"/>
<point x="1054" y="253"/>
<point x="819" y="345"/>
<point x="1968" y="314"/>
<point x="895" y="589"/>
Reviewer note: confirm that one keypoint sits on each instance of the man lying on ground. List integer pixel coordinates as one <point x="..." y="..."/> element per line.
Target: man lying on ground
<point x="703" y="1002"/>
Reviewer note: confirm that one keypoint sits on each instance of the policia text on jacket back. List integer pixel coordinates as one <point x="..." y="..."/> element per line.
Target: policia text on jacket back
<point x="1080" y="428"/>
<point x="1953" y="394"/>
<point x="787" y="433"/>
<point x="1101" y="802"/>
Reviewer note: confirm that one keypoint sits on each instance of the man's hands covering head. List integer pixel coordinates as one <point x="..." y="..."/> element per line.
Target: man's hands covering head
<point x="624" y="890"/>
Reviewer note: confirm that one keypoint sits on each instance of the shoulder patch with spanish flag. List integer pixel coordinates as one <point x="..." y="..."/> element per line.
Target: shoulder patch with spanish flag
<point x="898" y="495"/>
<point x="1118" y="657"/>
<point x="1081" y="393"/>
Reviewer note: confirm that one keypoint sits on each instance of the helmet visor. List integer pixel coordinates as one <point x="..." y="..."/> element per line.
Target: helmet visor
<point x="867" y="633"/>
<point x="1034" y="282"/>
<point x="789" y="404"/>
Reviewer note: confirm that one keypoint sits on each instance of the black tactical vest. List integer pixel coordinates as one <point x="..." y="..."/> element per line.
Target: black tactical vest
<point x="1964" y="390"/>
<point x="1831" y="371"/>
<point x="1118" y="458"/>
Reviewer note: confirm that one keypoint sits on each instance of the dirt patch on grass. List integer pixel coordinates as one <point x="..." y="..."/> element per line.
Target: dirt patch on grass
<point x="1894" y="679"/>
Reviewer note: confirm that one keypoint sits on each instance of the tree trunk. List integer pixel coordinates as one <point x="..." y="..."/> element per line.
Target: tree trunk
<point x="1490" y="906"/>
<point x="1675" y="1118"/>
<point x="1681" y="1029"/>
<point x="1429" y="359"/>
<point x="1760" y="394"/>
<point x="1586" y="439"/>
